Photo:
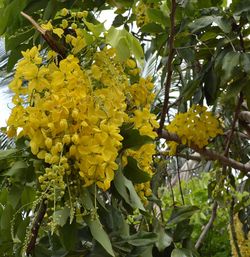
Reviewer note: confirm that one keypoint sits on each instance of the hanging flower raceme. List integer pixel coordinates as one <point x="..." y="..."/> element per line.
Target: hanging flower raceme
<point x="72" y="110"/>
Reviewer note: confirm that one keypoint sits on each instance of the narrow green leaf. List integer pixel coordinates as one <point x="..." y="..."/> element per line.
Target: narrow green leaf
<point x="142" y="238"/>
<point x="100" y="235"/>
<point x="126" y="189"/>
<point x="181" y="213"/>
<point x="210" y="86"/>
<point x="201" y="23"/>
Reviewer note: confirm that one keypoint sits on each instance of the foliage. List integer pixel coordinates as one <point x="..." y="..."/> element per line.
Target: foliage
<point x="217" y="241"/>
<point x="84" y="174"/>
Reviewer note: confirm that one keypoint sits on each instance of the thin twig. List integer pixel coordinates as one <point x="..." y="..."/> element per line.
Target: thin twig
<point x="179" y="181"/>
<point x="208" y="226"/>
<point x="208" y="154"/>
<point x="169" y="65"/>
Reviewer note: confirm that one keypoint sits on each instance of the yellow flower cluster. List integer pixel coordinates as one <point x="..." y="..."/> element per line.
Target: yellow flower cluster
<point x="71" y="119"/>
<point x="196" y="126"/>
<point x="140" y="99"/>
<point x="141" y="10"/>
<point x="244" y="243"/>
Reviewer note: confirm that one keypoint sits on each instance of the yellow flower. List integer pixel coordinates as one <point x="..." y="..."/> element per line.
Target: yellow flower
<point x="47" y="26"/>
<point x="64" y="12"/>
<point x="59" y="32"/>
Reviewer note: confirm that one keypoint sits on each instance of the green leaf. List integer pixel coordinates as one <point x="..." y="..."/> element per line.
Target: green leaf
<point x="182" y="231"/>
<point x="190" y="88"/>
<point x="99" y="234"/>
<point x="7" y="153"/>
<point x="20" y="37"/>
<point x="15" y="195"/>
<point x="246" y="91"/>
<point x="133" y="139"/>
<point x="134" y="173"/>
<point x="210" y="86"/>
<point x="123" y="49"/>
<point x="131" y="46"/>
<point x="7" y="215"/>
<point x="21" y="229"/>
<point x="182" y="253"/>
<point x="28" y="195"/>
<point x="187" y="54"/>
<point x="230" y="61"/>
<point x="223" y="24"/>
<point x="60" y="217"/>
<point x="240" y="6"/>
<point x="95" y="29"/>
<point x="126" y="189"/>
<point x="163" y="240"/>
<point x="201" y="23"/>
<point x="245" y="61"/>
<point x="156" y="15"/>
<point x="181" y="213"/>
<point x="119" y="20"/>
<point x="142" y="238"/>
<point x="11" y="14"/>
<point x="17" y="168"/>
<point x="68" y="236"/>
<point x="151" y="28"/>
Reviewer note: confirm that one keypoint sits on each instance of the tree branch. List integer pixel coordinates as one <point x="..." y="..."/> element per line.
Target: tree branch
<point x="207" y="227"/>
<point x="208" y="154"/>
<point x="35" y="227"/>
<point x="169" y="65"/>
<point x="54" y="44"/>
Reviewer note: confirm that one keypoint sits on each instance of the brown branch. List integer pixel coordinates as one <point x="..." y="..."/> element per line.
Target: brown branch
<point x="54" y="44"/>
<point x="35" y="227"/>
<point x="208" y="226"/>
<point x="208" y="154"/>
<point x="169" y="65"/>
